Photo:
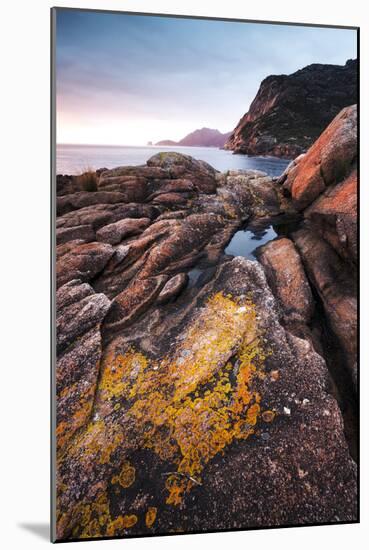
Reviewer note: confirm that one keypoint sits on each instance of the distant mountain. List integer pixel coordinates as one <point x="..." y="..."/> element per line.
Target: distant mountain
<point x="166" y="142"/>
<point x="290" y="111"/>
<point x="205" y="137"/>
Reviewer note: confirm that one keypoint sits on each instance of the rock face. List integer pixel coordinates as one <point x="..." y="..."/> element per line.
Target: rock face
<point x="79" y="315"/>
<point x="336" y="286"/>
<point x="286" y="277"/>
<point x="289" y="112"/>
<point x="323" y="185"/>
<point x="205" y="137"/>
<point x="193" y="406"/>
<point x="221" y="406"/>
<point x="330" y="160"/>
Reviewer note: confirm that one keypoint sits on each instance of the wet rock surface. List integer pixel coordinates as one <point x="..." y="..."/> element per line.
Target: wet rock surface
<point x="193" y="406"/>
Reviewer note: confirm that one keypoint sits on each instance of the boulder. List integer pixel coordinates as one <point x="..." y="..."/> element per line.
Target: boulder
<point x="79" y="232"/>
<point x="287" y="279"/>
<point x="116" y="232"/>
<point x="181" y="166"/>
<point x="336" y="286"/>
<point x="103" y="214"/>
<point x="132" y="302"/>
<point x="83" y="262"/>
<point x="172" y="288"/>
<point x="334" y="216"/>
<point x="75" y="201"/>
<point x="79" y="310"/>
<point x="79" y="315"/>
<point x="132" y="188"/>
<point x="328" y="161"/>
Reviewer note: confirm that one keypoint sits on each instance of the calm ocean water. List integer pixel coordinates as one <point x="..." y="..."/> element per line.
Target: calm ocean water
<point x="74" y="159"/>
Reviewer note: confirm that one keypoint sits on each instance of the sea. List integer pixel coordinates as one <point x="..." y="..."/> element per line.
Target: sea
<point x="75" y="159"/>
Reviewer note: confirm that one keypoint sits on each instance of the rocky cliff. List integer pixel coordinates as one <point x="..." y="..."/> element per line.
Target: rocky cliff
<point x="290" y="111"/>
<point x="205" y="137"/>
<point x="193" y="404"/>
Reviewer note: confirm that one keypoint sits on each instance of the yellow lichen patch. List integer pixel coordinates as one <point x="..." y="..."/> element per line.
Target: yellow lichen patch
<point x="268" y="416"/>
<point x="175" y="490"/>
<point x="82" y="409"/>
<point x="119" y="375"/>
<point x="117" y="525"/>
<point x="186" y="408"/>
<point x="192" y="408"/>
<point x="126" y="476"/>
<point x="95" y="520"/>
<point x="150" y="516"/>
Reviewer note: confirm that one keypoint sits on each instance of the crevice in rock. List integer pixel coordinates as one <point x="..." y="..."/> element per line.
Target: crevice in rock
<point x="340" y="387"/>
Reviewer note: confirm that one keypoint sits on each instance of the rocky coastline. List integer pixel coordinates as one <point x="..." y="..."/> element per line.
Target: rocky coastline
<point x="289" y="112"/>
<point x="226" y="403"/>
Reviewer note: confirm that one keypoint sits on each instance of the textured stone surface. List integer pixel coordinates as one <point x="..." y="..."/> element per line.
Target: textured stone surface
<point x="189" y="403"/>
<point x="83" y="262"/>
<point x="287" y="279"/>
<point x="228" y="425"/>
<point x="172" y="288"/>
<point x="334" y="216"/>
<point x="334" y="281"/>
<point x="116" y="232"/>
<point x="79" y="315"/>
<point x="328" y="161"/>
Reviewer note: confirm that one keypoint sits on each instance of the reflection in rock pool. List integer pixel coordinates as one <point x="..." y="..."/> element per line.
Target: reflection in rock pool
<point x="245" y="241"/>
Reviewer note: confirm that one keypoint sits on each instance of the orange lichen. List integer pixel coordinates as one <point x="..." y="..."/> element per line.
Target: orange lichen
<point x="193" y="396"/>
<point x="150" y="516"/>
<point x="120" y="523"/>
<point x="268" y="416"/>
<point x="126" y="477"/>
<point x="82" y="409"/>
<point x="95" y="520"/>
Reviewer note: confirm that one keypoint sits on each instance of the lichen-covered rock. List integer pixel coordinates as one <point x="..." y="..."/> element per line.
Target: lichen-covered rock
<point x="192" y="406"/>
<point x="79" y="315"/>
<point x="227" y="408"/>
<point x="262" y="193"/>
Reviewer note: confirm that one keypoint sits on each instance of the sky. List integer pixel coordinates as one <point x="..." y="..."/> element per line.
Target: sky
<point x="129" y="79"/>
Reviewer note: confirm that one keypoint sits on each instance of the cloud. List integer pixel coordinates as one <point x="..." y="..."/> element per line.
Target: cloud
<point x="130" y="67"/>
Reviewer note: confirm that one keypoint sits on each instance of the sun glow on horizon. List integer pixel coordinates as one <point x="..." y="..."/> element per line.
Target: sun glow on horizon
<point x="122" y="131"/>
